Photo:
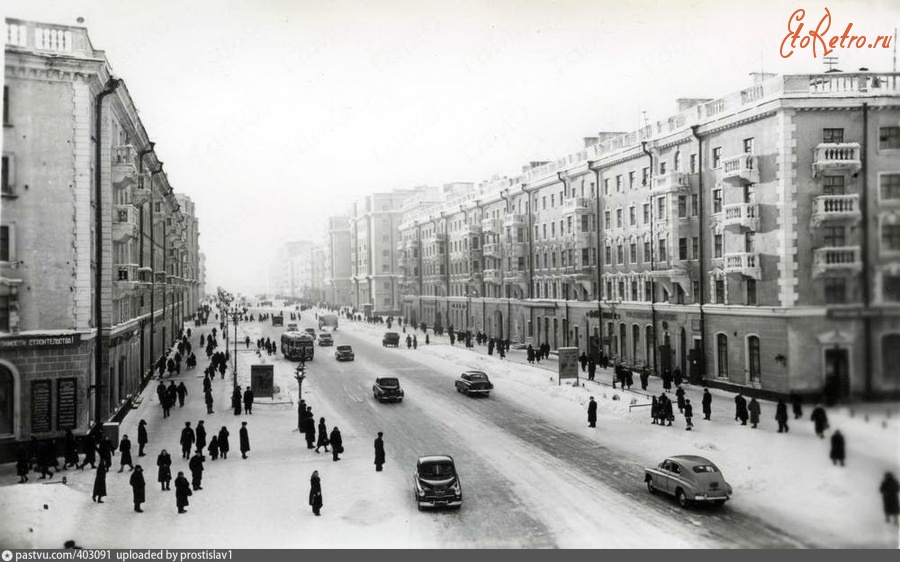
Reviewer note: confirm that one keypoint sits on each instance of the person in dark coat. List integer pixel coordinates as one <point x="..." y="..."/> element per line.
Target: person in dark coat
<point x="187" y="440"/>
<point x="125" y="458"/>
<point x="207" y="382"/>
<point x="676" y="376"/>
<point x="182" y="491"/>
<point x="22" y="466"/>
<point x="679" y="396"/>
<point x="315" y="492"/>
<point x="224" y="446"/>
<point x="322" y="440"/>
<point x="164" y="472"/>
<point x="592" y="413"/>
<point x="668" y="413"/>
<point x="99" y="484"/>
<point x="248" y="401"/>
<point x="170" y="366"/>
<point x="309" y="428"/>
<point x="89" y="448"/>
<point x="142" y="437"/>
<point x="529" y="353"/>
<point x="196" y="467"/>
<point x="337" y="444"/>
<point x="408" y="342"/>
<point x="838" y="452"/>
<point x="201" y="437"/>
<point x="182" y="393"/>
<point x="797" y="406"/>
<point x="890" y="489"/>
<point x="667" y="380"/>
<point x="105" y="450"/>
<point x="753" y="408"/>
<point x="245" y="440"/>
<point x="70" y="450"/>
<point x="688" y="415"/>
<point x="208" y="398"/>
<point x="820" y="420"/>
<point x="379" y="452"/>
<point x="707" y="404"/>
<point x="740" y="409"/>
<point x="137" y="487"/>
<point x="169" y="397"/>
<point x="592" y="369"/>
<point x="781" y="416"/>
<point x="645" y="377"/>
<point x="213" y="447"/>
<point x="583" y="359"/>
<point x="236" y="400"/>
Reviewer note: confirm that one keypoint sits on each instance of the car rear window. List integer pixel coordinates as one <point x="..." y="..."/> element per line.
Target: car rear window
<point x="344" y="348"/>
<point x="477" y="376"/>
<point x="701" y="468"/>
<point x="436" y="470"/>
<point x="390" y="382"/>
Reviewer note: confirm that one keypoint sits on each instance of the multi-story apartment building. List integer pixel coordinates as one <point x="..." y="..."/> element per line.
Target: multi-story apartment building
<point x="95" y="278"/>
<point x="190" y="255"/>
<point x="292" y="273"/>
<point x="336" y="282"/>
<point x="750" y="241"/>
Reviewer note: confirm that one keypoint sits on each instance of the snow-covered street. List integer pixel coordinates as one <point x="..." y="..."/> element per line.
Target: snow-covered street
<point x="533" y="473"/>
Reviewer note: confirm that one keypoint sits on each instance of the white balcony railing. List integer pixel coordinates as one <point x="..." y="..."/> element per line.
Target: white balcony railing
<point x="745" y="263"/>
<point x="492" y="276"/>
<point x="578" y="203"/>
<point x="835" y="207"/>
<point x="492" y="250"/>
<point x="514" y="219"/>
<point x="837" y="259"/>
<point x="742" y="166"/>
<point x="494" y="226"/>
<point x="836" y="156"/>
<point x="676" y="181"/>
<point x="744" y="215"/>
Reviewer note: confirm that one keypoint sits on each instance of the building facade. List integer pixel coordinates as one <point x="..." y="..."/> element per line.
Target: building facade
<point x="94" y="285"/>
<point x="336" y="282"/>
<point x="751" y="241"/>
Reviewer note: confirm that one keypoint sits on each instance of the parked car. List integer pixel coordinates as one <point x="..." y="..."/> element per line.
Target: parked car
<point x="310" y="331"/>
<point x="690" y="479"/>
<point x="474" y="382"/>
<point x="391" y="339"/>
<point x="344" y="353"/>
<point x="387" y="388"/>
<point x="325" y="339"/>
<point x="436" y="483"/>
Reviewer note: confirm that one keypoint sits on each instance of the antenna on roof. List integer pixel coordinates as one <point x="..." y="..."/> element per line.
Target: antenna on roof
<point x="831" y="62"/>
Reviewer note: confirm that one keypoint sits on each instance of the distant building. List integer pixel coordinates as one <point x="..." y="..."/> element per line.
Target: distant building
<point x="336" y="283"/>
<point x="291" y="274"/>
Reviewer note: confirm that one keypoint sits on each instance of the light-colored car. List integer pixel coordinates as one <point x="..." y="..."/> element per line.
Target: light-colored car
<point x="325" y="339"/>
<point x="690" y="479"/>
<point x="436" y="483"/>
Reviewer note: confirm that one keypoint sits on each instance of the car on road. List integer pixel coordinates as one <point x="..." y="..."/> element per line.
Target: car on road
<point x="690" y="479"/>
<point x="474" y="382"/>
<point x="344" y="353"/>
<point x="387" y="389"/>
<point x="310" y="331"/>
<point x="436" y="483"/>
<point x="391" y="339"/>
<point x="325" y="339"/>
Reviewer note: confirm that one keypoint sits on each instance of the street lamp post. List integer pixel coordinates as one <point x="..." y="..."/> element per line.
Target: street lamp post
<point x="235" y="316"/>
<point x="300" y="375"/>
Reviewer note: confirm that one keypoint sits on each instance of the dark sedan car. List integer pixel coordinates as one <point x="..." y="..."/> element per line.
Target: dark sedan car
<point x="344" y="353"/>
<point x="387" y="389"/>
<point x="474" y="382"/>
<point x="690" y="479"/>
<point x="436" y="483"/>
<point x="391" y="339"/>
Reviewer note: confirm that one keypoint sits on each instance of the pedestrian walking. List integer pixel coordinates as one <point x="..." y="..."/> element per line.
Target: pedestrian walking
<point x="645" y="377"/>
<point x="182" y="394"/>
<point x="676" y="376"/>
<point x="415" y="342"/>
<point x="707" y="404"/>
<point x="125" y="457"/>
<point x="890" y="489"/>
<point x="245" y="440"/>
<point x="679" y="396"/>
<point x="820" y="420"/>
<point x="164" y="469"/>
<point x="208" y="398"/>
<point x="201" y="437"/>
<point x="754" y="409"/>
<point x="337" y="444"/>
<point x="315" y="492"/>
<point x="592" y="413"/>
<point x="213" y="447"/>
<point x="592" y="369"/>
<point x="142" y="437"/>
<point x="688" y="415"/>
<point x="99" y="484"/>
<point x="70" y="450"/>
<point x="781" y="416"/>
<point x="248" y="401"/>
<point x="89" y="448"/>
<point x="182" y="491"/>
<point x="667" y="380"/>
<point x="22" y="466"/>
<point x="309" y="428"/>
<point x="105" y="450"/>
<point x="838" y="452"/>
<point x="137" y="487"/>
<point x="654" y="410"/>
<point x="583" y="359"/>
<point x="408" y="341"/>
<point x="322" y="440"/>
<point x="196" y="467"/>
<point x="236" y="400"/>
<point x="797" y="406"/>
<point x="740" y="409"/>
<point x="379" y="452"/>
<point x="224" y="446"/>
<point x="188" y="437"/>
<point x="668" y="413"/>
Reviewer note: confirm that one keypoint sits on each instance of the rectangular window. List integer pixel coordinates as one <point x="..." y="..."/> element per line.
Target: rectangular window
<point x="682" y="248"/>
<point x="645" y="176"/>
<point x="888" y="137"/>
<point x="6" y="105"/>
<point x="833" y="185"/>
<point x="717" y="246"/>
<point x="682" y="206"/>
<point x="585" y="225"/>
<point x="751" y="291"/>
<point x="631" y="180"/>
<point x="832" y="135"/>
<point x="661" y="208"/>
<point x="606" y="222"/>
<point x="633" y="250"/>
<point x="693" y="163"/>
<point x="4" y="313"/>
<point x="648" y="293"/>
<point x="891" y="287"/>
<point x="890" y="186"/>
<point x="6" y="180"/>
<point x="553" y="229"/>
<point x="661" y="255"/>
<point x="646" y="251"/>
<point x="676" y="161"/>
<point x="618" y="218"/>
<point x="608" y="254"/>
<point x="890" y="237"/>
<point x="834" y="236"/>
<point x="552" y="201"/>
<point x="717" y="200"/>
<point x="720" y="291"/>
<point x="646" y="213"/>
<point x="620" y="254"/>
<point x="717" y="157"/>
<point x="634" y="290"/>
<point x="835" y="290"/>
<point x="544" y="202"/>
<point x="4" y="243"/>
<point x="662" y="168"/>
<point x="619" y="183"/>
<point x="585" y="256"/>
<point x="695" y="288"/>
<point x="606" y="187"/>
<point x="569" y="224"/>
<point x="748" y="146"/>
<point x="695" y="248"/>
<point x="695" y="205"/>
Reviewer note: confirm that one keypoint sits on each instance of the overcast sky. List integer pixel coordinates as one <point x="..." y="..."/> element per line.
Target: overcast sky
<point x="274" y="114"/>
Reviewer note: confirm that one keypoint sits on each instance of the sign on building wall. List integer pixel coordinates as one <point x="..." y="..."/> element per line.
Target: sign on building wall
<point x="262" y="380"/>
<point x="568" y="363"/>
<point x="66" y="404"/>
<point x="40" y="406"/>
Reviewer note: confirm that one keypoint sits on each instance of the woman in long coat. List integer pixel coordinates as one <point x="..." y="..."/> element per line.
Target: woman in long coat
<point x="142" y="437"/>
<point x="753" y="408"/>
<point x="654" y="410"/>
<point x="223" y="442"/>
<point x="70" y="451"/>
<point x="99" y="484"/>
<point x="820" y="419"/>
<point x="182" y="491"/>
<point x="201" y="437"/>
<point x="323" y="436"/>
<point x="164" y="475"/>
<point x="137" y="487"/>
<point x="890" y="489"/>
<point x="337" y="444"/>
<point x="379" y="452"/>
<point x="244" y="439"/>
<point x="236" y="399"/>
<point x="213" y="447"/>
<point x="315" y="492"/>
<point x="838" y="453"/>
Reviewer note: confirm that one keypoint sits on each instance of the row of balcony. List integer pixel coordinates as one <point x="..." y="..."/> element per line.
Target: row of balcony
<point x="830" y="156"/>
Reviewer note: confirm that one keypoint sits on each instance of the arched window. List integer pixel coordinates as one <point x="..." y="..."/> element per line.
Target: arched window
<point x="721" y="356"/>
<point x="623" y="332"/>
<point x="890" y="358"/>
<point x="635" y="342"/>
<point x="648" y="344"/>
<point x="7" y="401"/>
<point x="753" y="358"/>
